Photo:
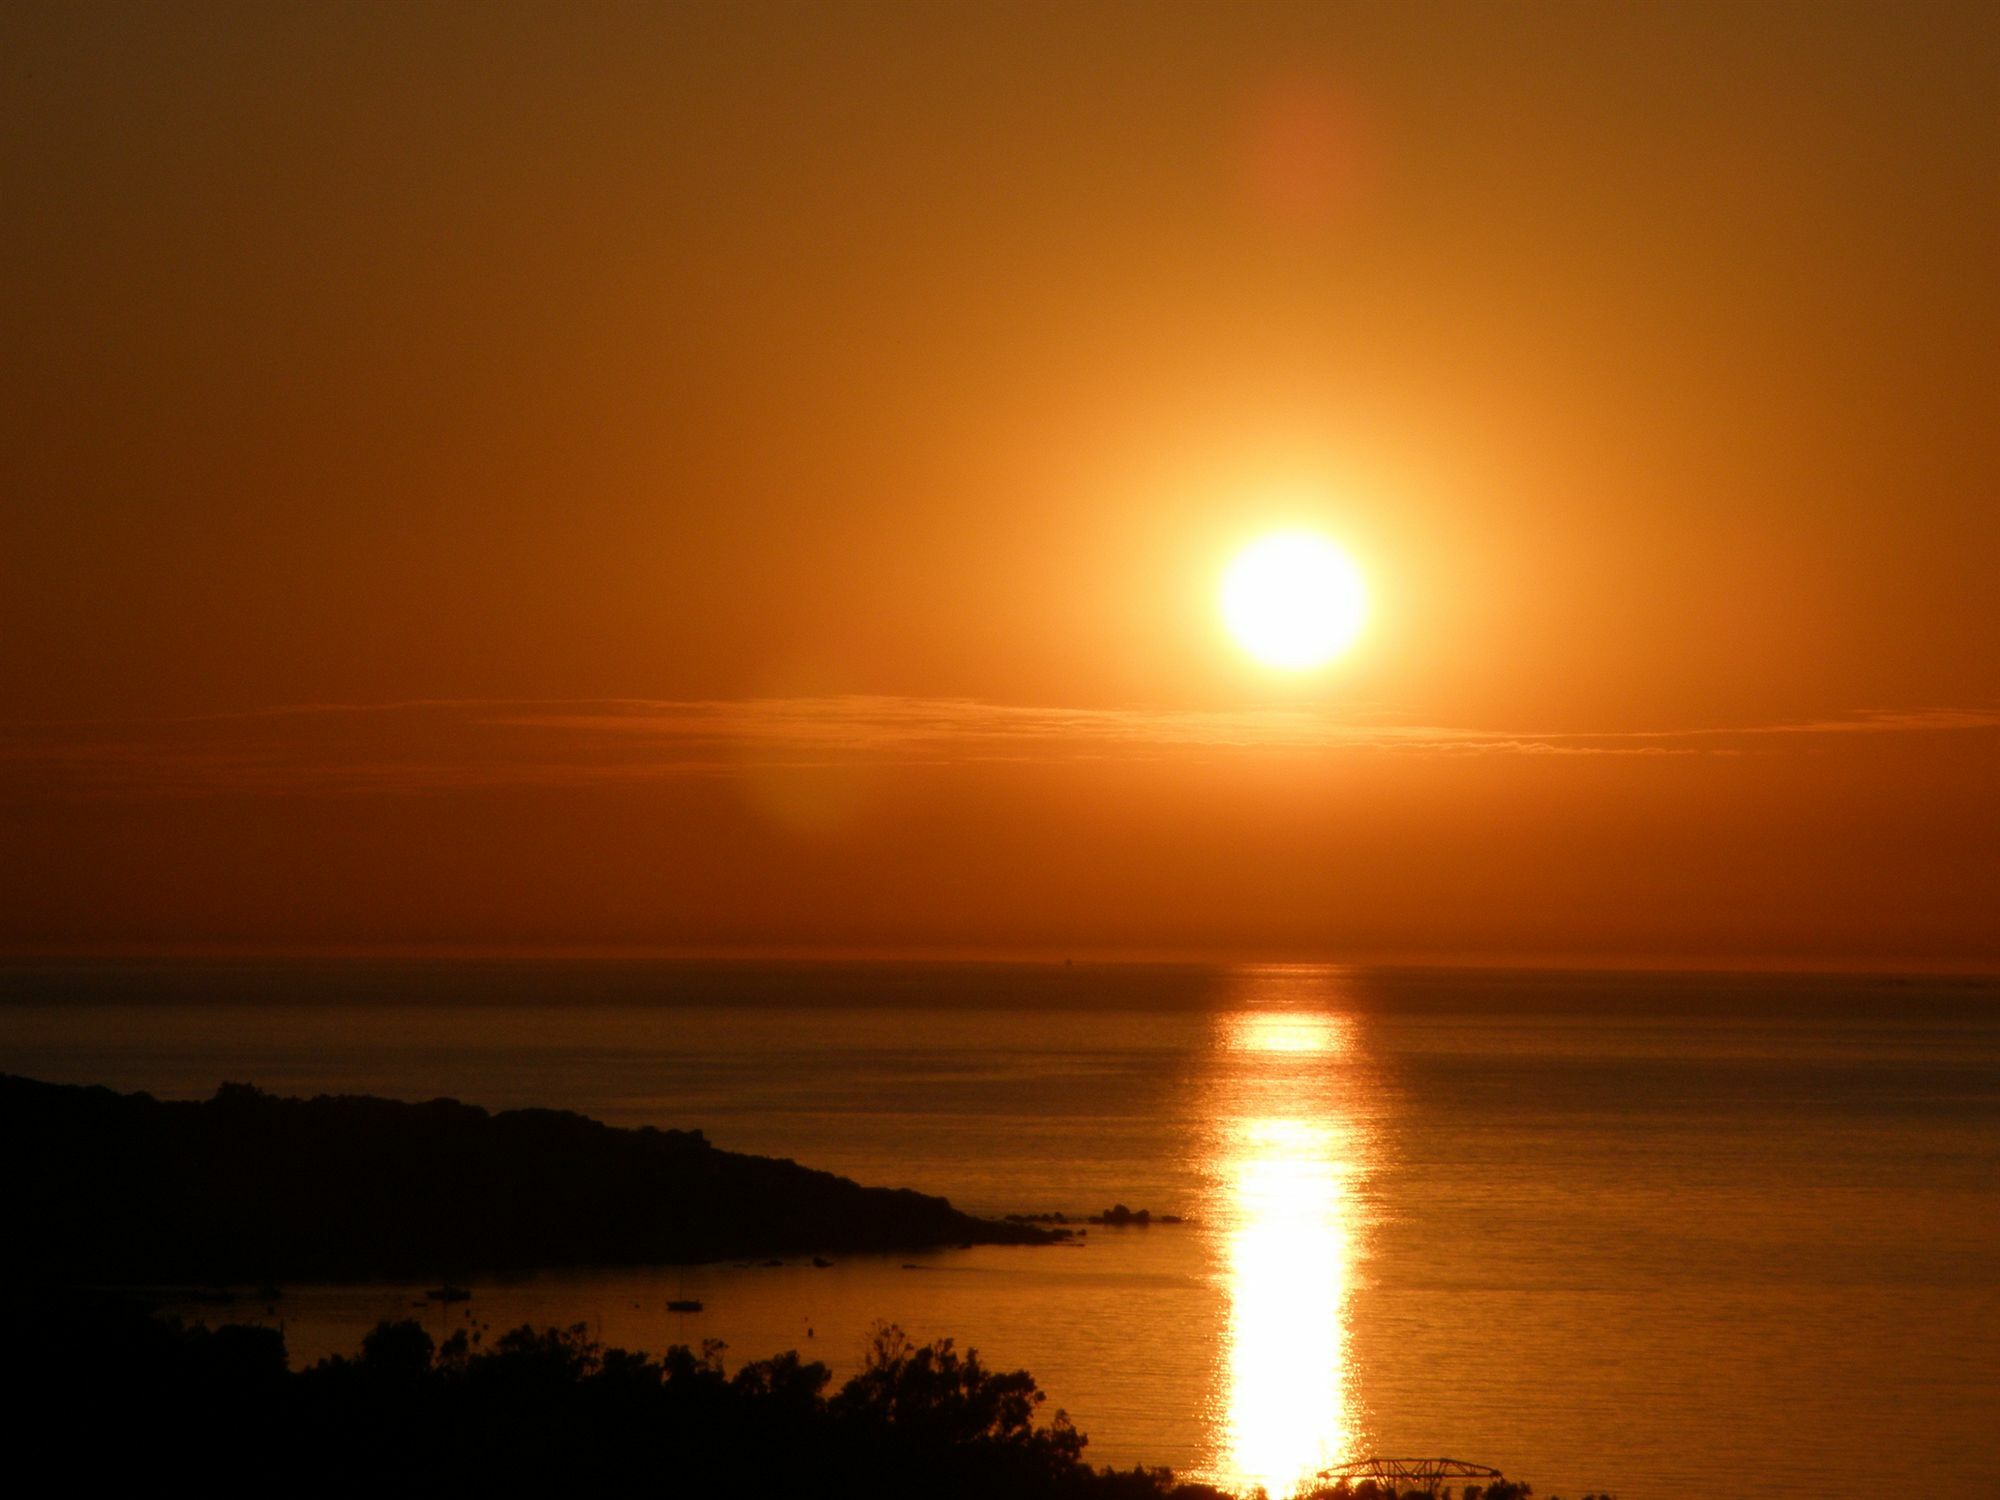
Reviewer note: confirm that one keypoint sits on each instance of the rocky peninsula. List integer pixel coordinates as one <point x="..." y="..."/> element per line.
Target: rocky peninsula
<point x="247" y="1187"/>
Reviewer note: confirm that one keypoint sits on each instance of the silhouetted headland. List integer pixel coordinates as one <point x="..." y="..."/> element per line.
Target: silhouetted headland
<point x="247" y="1187"/>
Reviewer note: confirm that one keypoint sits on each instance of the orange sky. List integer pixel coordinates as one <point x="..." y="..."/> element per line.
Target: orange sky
<point x="757" y="476"/>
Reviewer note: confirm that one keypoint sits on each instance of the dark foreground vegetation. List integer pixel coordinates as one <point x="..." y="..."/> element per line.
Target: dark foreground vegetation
<point x="119" y="1396"/>
<point x="110" y="1396"/>
<point x="108" y="1188"/>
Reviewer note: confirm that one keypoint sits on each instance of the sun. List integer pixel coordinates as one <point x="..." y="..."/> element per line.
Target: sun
<point x="1294" y="600"/>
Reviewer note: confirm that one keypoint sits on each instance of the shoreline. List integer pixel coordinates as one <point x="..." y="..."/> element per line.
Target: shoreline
<point x="250" y="1189"/>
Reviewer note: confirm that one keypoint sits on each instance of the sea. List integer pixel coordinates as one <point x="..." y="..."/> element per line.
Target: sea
<point x="1647" y="1235"/>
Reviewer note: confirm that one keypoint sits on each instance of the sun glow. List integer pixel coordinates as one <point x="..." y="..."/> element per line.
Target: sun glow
<point x="1294" y="600"/>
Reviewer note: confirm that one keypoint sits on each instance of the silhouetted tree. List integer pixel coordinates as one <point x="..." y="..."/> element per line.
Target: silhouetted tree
<point x="119" y="1399"/>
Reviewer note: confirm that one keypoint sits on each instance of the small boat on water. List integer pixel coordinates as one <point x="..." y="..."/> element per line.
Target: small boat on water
<point x="448" y="1293"/>
<point x="683" y="1304"/>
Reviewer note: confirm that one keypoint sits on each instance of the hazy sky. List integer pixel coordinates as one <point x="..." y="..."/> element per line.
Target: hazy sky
<point x="753" y="475"/>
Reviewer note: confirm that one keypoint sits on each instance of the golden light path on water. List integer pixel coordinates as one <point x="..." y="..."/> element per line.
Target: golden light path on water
<point x="1288" y="1152"/>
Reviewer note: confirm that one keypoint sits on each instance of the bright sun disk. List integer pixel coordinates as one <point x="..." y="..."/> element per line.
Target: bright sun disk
<point x="1293" y="600"/>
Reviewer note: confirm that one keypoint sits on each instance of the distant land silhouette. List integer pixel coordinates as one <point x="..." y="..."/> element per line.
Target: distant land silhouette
<point x="247" y="1187"/>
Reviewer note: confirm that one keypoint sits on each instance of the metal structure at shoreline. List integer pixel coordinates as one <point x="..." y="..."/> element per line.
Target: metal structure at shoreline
<point x="1427" y="1473"/>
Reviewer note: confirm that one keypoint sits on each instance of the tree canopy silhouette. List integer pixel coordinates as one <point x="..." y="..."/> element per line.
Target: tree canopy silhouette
<point x="112" y="1396"/>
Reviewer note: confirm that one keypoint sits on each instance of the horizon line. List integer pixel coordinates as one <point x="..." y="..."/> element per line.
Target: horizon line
<point x="1984" y="971"/>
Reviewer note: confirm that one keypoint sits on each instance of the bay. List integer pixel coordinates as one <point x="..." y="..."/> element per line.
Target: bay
<point x="1652" y="1234"/>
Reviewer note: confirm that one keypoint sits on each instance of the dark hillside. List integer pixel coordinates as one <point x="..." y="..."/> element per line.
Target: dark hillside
<point x="124" y="1188"/>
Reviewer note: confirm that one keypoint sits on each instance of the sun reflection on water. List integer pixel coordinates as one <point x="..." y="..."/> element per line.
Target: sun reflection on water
<point x="1286" y="1158"/>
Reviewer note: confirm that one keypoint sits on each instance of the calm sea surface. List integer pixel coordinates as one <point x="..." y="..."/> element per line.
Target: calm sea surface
<point x="1663" y="1236"/>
